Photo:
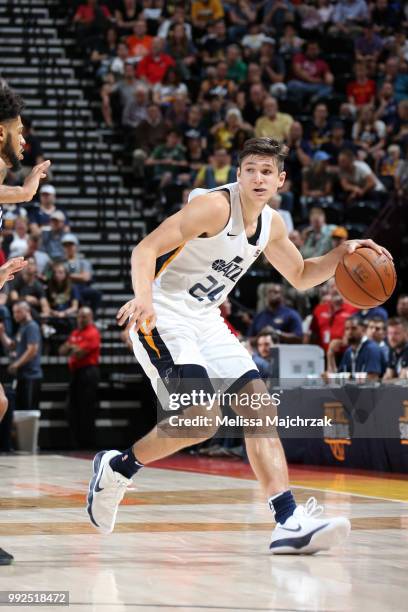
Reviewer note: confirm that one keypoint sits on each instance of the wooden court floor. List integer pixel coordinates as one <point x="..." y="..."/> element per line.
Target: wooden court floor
<point x="194" y="534"/>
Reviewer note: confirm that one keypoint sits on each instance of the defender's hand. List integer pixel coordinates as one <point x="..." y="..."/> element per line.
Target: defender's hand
<point x="10" y="268"/>
<point x="33" y="179"/>
<point x="137" y="312"/>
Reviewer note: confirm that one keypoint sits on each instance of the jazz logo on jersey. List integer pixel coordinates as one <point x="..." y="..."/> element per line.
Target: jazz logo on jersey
<point x="230" y="270"/>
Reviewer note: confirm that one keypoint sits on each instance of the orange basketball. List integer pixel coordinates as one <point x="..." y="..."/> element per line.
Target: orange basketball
<point x="365" y="279"/>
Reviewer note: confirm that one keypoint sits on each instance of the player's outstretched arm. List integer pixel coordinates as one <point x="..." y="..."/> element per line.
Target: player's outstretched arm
<point x="10" y="268"/>
<point x="204" y="214"/>
<point x="16" y="194"/>
<point x="307" y="273"/>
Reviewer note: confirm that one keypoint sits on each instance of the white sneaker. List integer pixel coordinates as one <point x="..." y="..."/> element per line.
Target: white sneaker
<point x="302" y="533"/>
<point x="106" y="491"/>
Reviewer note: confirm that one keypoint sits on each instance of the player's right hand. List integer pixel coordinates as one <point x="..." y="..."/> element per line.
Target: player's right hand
<point x="137" y="312"/>
<point x="33" y="179"/>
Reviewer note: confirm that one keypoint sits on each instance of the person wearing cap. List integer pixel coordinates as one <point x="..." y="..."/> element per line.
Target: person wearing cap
<point x="40" y="216"/>
<point x="339" y="235"/>
<point x="80" y="272"/>
<point x="51" y="239"/>
<point x="317" y="182"/>
<point x="273" y="123"/>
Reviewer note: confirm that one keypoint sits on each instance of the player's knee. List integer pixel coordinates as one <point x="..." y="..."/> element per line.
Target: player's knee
<point x="3" y="403"/>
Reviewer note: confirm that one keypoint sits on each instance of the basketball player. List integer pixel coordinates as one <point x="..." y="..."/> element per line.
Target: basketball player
<point x="11" y="152"/>
<point x="177" y="331"/>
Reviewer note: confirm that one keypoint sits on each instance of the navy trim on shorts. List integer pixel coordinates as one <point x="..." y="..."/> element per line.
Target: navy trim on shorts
<point x="243" y="380"/>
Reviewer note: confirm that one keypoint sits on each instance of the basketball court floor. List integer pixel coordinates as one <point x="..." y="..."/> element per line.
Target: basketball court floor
<point x="194" y="535"/>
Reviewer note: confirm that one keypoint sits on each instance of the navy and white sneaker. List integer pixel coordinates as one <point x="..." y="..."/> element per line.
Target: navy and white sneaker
<point x="106" y="491"/>
<point x="303" y="533"/>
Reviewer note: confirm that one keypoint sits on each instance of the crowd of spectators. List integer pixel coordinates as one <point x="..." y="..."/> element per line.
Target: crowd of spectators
<point x="186" y="83"/>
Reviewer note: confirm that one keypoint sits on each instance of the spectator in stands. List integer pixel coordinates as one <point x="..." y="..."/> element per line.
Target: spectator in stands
<point x="11" y="212"/>
<point x="337" y="142"/>
<point x="389" y="165"/>
<point x="361" y="91"/>
<point x="254" y="107"/>
<point x="148" y="135"/>
<point x="368" y="45"/>
<point x="362" y="354"/>
<point x="275" y="14"/>
<point x="195" y="155"/>
<point x="182" y="50"/>
<point x="262" y="356"/>
<point x="205" y="11"/>
<point x="300" y="154"/>
<point x="177" y="112"/>
<point x="273" y="123"/>
<point x="135" y="111"/>
<point x="41" y="259"/>
<point x="401" y="178"/>
<point x="329" y="317"/>
<point x="397" y="337"/>
<point x="395" y="75"/>
<point x="317" y="183"/>
<point x="62" y="297"/>
<point x="338" y="236"/>
<point x="368" y="133"/>
<point x="26" y="367"/>
<point x="139" y="43"/>
<point x="237" y="68"/>
<point x="126" y="15"/>
<point x="80" y="273"/>
<point x="124" y="88"/>
<point x="318" y="129"/>
<point x="368" y="313"/>
<point x="164" y="93"/>
<point x="168" y="159"/>
<point x="349" y="17"/>
<point x="178" y="17"/>
<point x="240" y="16"/>
<point x="312" y="76"/>
<point x="214" y="44"/>
<point x="399" y="129"/>
<point x="387" y="107"/>
<point x="103" y="53"/>
<point x="40" y="216"/>
<point x="16" y="244"/>
<point x="27" y="287"/>
<point x="5" y="314"/>
<point x="154" y="65"/>
<point x="217" y="82"/>
<point x="195" y="124"/>
<point x="386" y="17"/>
<point x="91" y="20"/>
<point x="83" y="350"/>
<point x="285" y="322"/>
<point x="357" y="180"/>
<point x="218" y="172"/>
<point x="51" y="239"/>
<point x="290" y="43"/>
<point x="272" y="67"/>
<point x="119" y="61"/>
<point x="317" y="236"/>
<point x="231" y="133"/>
<point x="376" y="330"/>
<point x="402" y="307"/>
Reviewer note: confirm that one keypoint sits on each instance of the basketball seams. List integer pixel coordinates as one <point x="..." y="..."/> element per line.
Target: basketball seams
<point x="376" y="271"/>
<point x="354" y="302"/>
<point x="373" y="297"/>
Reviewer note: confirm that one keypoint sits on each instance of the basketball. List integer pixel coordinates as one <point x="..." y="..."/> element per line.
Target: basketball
<point x="365" y="279"/>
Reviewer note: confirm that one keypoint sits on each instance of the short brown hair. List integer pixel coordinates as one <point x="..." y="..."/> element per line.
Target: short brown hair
<point x="264" y="146"/>
<point x="394" y="321"/>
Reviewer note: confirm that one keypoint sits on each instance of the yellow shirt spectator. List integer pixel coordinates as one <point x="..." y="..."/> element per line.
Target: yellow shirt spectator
<point x="204" y="11"/>
<point x="273" y="123"/>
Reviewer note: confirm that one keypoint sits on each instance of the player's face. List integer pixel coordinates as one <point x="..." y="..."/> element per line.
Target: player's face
<point x="259" y="178"/>
<point x="12" y="142"/>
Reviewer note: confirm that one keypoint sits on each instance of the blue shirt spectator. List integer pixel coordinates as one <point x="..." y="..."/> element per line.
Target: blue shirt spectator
<point x="362" y="354"/>
<point x="285" y="321"/>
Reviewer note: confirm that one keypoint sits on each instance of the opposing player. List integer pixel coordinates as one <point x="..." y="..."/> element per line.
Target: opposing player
<point x="11" y="152"/>
<point x="178" y="333"/>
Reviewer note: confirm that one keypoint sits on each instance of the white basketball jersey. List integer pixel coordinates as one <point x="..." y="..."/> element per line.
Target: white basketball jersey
<point x="203" y="271"/>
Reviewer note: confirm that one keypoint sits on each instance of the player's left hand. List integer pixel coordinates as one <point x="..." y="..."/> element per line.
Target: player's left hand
<point x="352" y="245"/>
<point x="10" y="268"/>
